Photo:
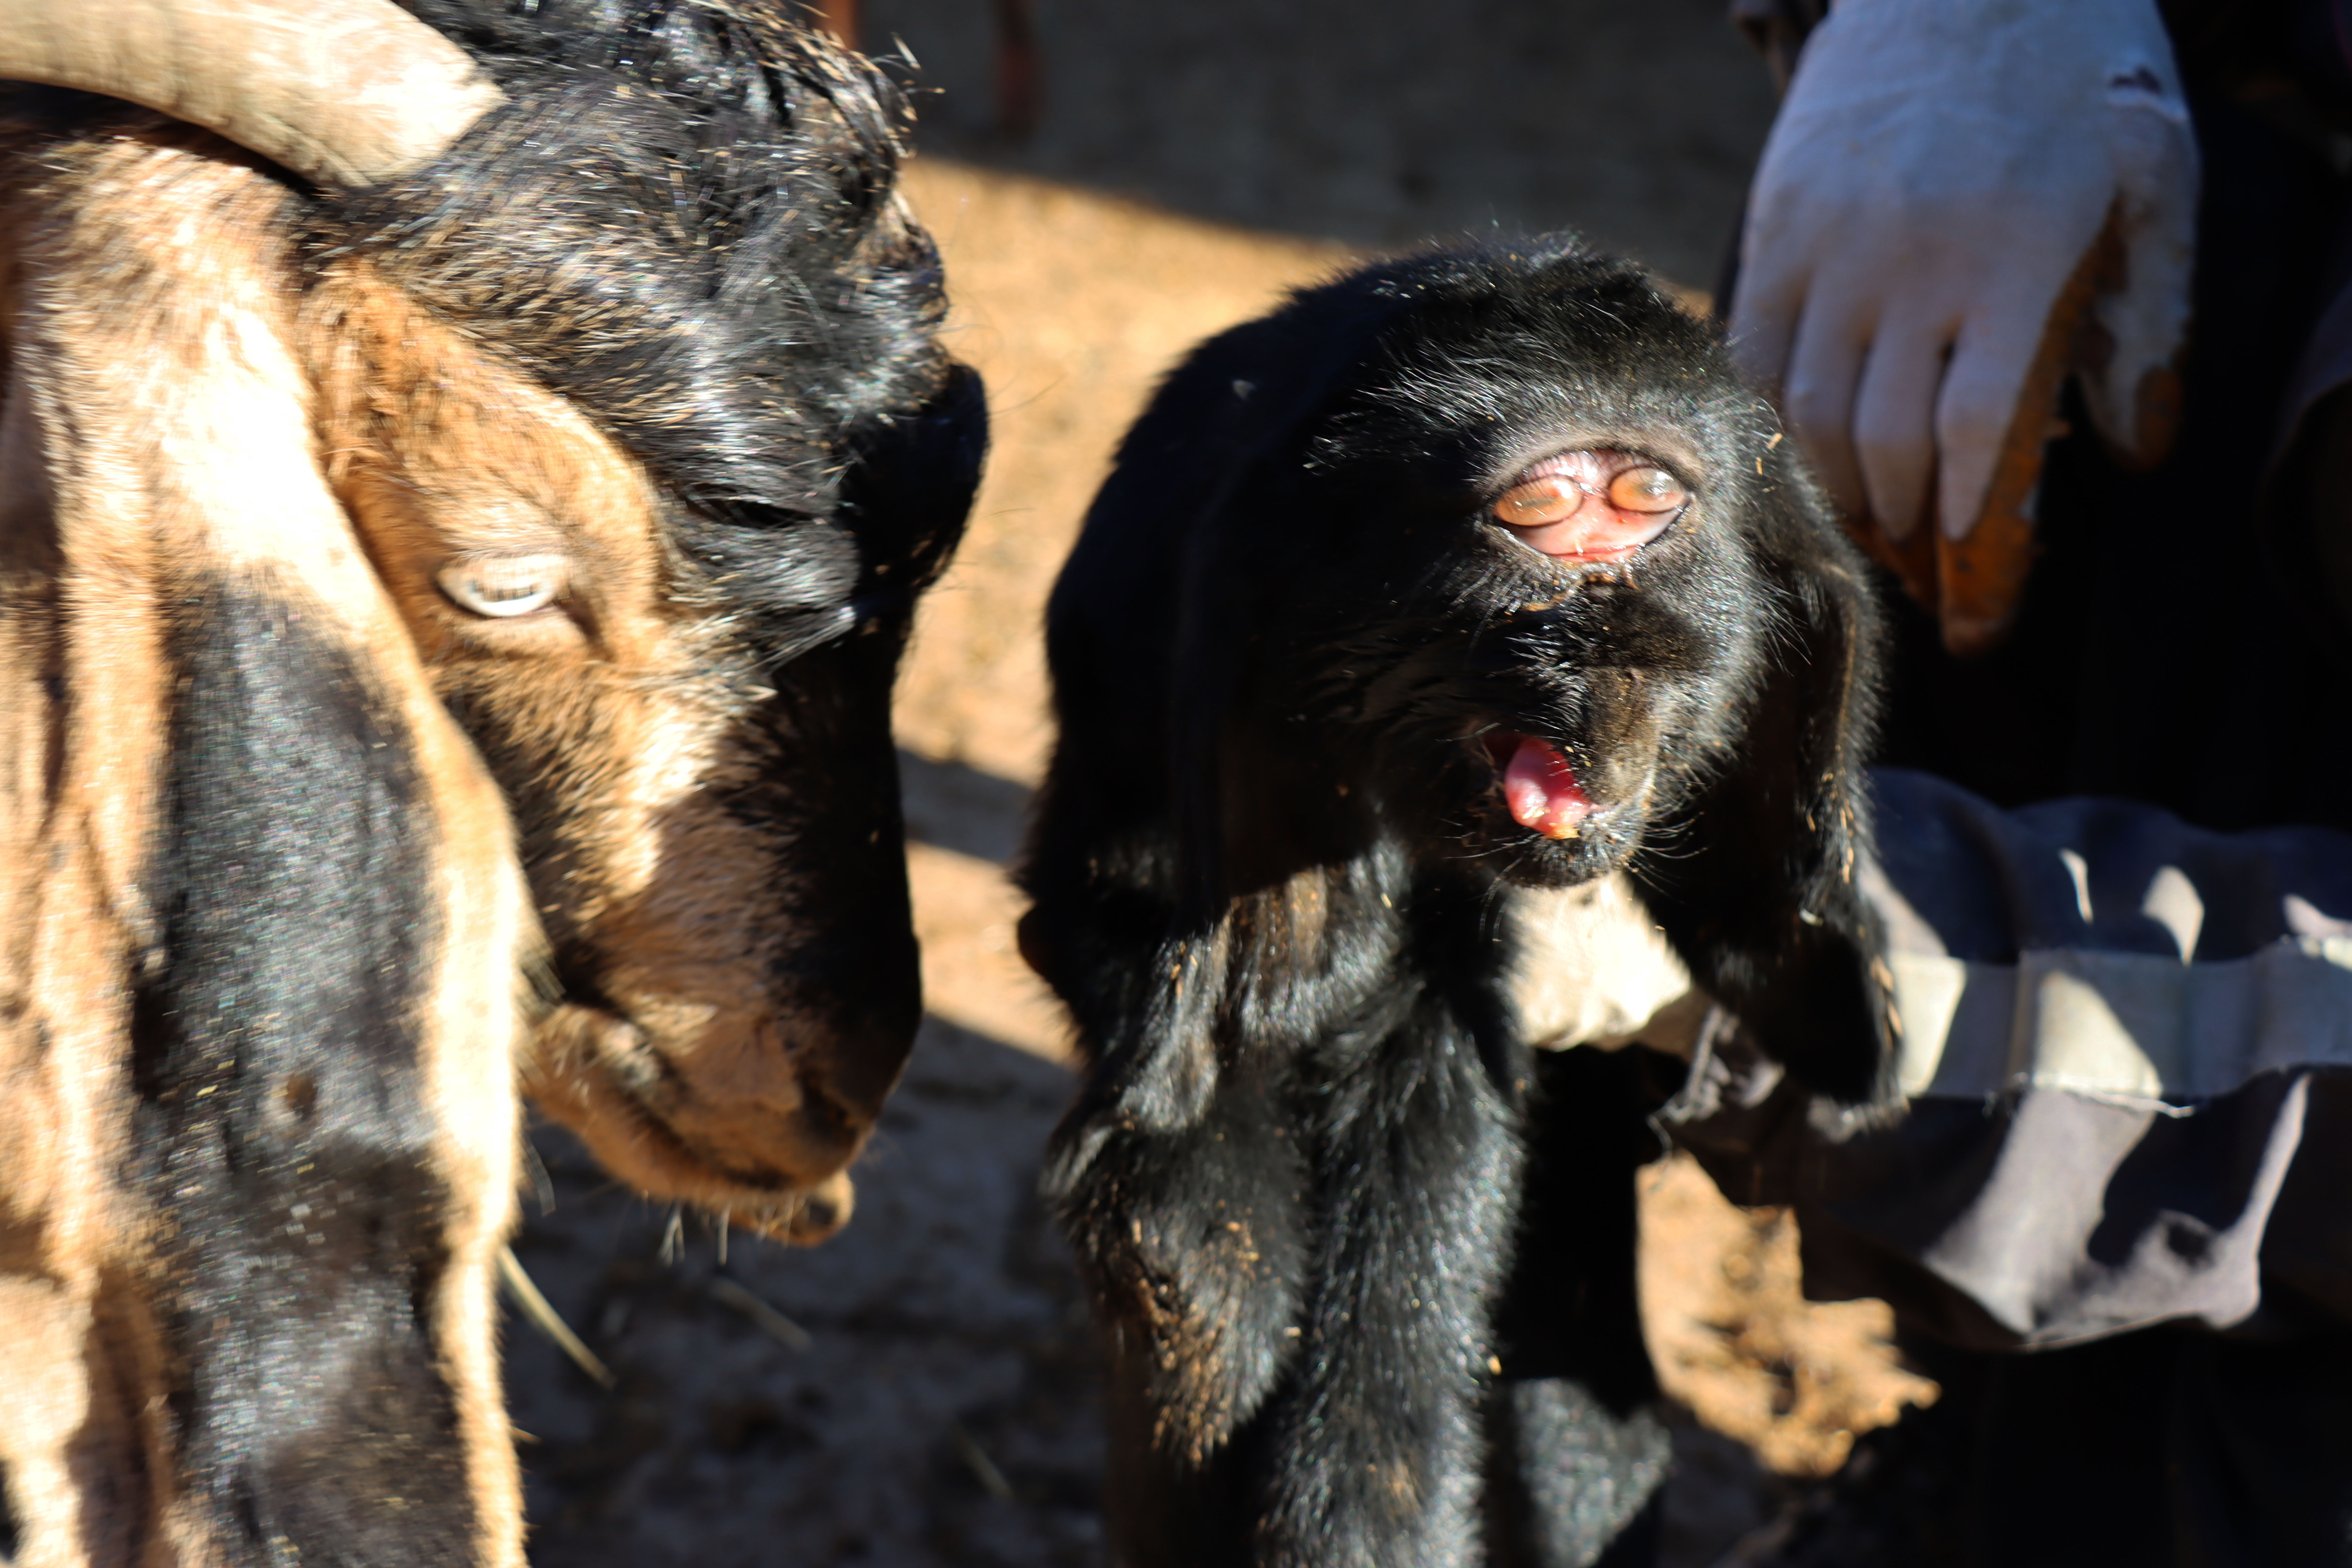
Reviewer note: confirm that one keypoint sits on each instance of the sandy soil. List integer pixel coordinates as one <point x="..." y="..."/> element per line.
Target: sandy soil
<point x="922" y="1390"/>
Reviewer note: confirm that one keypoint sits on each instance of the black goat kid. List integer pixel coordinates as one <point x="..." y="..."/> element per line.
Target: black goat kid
<point x="1456" y="604"/>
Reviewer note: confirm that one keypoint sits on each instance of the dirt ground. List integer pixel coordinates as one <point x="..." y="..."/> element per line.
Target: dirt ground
<point x="921" y="1391"/>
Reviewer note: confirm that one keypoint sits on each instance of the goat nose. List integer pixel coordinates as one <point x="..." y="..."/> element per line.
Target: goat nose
<point x="826" y="1209"/>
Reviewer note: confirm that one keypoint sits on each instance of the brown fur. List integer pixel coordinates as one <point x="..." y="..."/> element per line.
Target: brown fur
<point x="149" y="423"/>
<point x="435" y="450"/>
<point x="179" y="392"/>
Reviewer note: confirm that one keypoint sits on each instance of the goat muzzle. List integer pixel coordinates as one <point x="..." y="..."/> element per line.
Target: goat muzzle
<point x="737" y="1125"/>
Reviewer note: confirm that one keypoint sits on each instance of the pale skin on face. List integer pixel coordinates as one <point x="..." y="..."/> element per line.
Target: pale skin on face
<point x="1601" y="505"/>
<point x="1593" y="505"/>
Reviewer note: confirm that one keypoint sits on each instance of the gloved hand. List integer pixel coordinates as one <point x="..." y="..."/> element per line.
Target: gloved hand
<point x="1961" y="201"/>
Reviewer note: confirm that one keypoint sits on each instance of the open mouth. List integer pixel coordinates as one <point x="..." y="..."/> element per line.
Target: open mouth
<point x="1541" y="788"/>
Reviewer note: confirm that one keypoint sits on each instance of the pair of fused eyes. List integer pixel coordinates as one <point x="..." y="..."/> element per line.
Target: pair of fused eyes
<point x="1586" y="507"/>
<point x="501" y="587"/>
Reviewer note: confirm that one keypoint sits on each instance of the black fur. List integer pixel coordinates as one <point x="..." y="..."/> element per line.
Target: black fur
<point x="279" y="1120"/>
<point x="682" y="220"/>
<point x="1274" y="878"/>
<point x="1577" y="1448"/>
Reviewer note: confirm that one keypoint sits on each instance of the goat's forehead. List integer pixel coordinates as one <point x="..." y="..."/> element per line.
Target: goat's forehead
<point x="490" y="450"/>
<point x="1506" y="450"/>
<point x="1614" y="347"/>
<point x="1480" y="429"/>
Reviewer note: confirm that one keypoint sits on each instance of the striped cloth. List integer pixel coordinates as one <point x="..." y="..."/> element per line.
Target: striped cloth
<point x="2128" y="1048"/>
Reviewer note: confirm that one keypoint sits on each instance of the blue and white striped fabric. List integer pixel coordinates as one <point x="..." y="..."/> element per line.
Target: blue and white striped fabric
<point x="2126" y="1041"/>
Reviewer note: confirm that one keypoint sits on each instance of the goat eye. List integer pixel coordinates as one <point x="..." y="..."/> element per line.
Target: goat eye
<point x="1537" y="502"/>
<point x="1647" y="490"/>
<point x="503" y="587"/>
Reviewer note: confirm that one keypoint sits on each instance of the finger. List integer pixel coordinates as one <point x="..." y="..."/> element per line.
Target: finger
<point x="1823" y="366"/>
<point x="1764" y="305"/>
<point x="1975" y="409"/>
<point x="1895" y="422"/>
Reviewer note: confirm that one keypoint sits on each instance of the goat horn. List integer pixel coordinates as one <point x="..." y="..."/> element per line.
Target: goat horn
<point x="345" y="92"/>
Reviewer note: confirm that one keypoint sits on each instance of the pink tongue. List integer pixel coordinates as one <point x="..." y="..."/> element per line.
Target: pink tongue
<point x="1541" y="790"/>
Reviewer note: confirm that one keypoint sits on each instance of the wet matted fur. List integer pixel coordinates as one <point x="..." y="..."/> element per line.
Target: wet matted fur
<point x="302" y="858"/>
<point x="1277" y="884"/>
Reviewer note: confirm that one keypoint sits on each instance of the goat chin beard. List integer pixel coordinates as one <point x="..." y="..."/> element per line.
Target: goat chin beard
<point x="590" y="1069"/>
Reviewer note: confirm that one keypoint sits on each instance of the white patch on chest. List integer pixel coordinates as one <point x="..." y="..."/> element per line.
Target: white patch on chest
<point x="1594" y="969"/>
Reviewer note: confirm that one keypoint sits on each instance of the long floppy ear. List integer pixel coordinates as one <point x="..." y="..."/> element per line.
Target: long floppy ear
<point x="1757" y="892"/>
<point x="1149" y="633"/>
<point x="262" y="919"/>
<point x="1176" y="1171"/>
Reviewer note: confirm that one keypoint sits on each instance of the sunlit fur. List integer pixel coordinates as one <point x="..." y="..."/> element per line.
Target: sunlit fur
<point x="1276" y="883"/>
<point x="302" y="864"/>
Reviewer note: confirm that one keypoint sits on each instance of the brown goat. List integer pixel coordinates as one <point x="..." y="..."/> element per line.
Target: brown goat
<point x="449" y="601"/>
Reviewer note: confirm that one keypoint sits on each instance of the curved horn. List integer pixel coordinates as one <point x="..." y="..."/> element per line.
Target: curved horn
<point x="345" y="93"/>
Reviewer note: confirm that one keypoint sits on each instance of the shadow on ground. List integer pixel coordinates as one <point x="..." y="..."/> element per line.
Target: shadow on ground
<point x="932" y="1396"/>
<point x="941" y="1411"/>
<point x="1379" y="122"/>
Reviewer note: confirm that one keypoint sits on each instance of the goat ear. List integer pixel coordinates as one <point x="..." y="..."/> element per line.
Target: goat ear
<point x="1248" y="812"/>
<point x="1154" y="621"/>
<point x="1757" y="892"/>
<point x="1139" y="922"/>
<point x="1124" y="881"/>
<point x="1176" y="1136"/>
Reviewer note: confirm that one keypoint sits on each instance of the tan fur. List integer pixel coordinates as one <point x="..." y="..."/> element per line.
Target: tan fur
<point x="438" y="451"/>
<point x="157" y="416"/>
<point x="81" y="618"/>
<point x="178" y="392"/>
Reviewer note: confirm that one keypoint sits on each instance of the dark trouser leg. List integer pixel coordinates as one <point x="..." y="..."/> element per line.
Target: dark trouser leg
<point x="2310" y="546"/>
<point x="2170" y="1448"/>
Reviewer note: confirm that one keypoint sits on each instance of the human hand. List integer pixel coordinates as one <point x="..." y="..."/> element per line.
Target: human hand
<point x="1960" y="203"/>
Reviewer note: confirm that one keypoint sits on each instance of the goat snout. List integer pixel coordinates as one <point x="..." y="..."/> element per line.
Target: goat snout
<point x="734" y="1117"/>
